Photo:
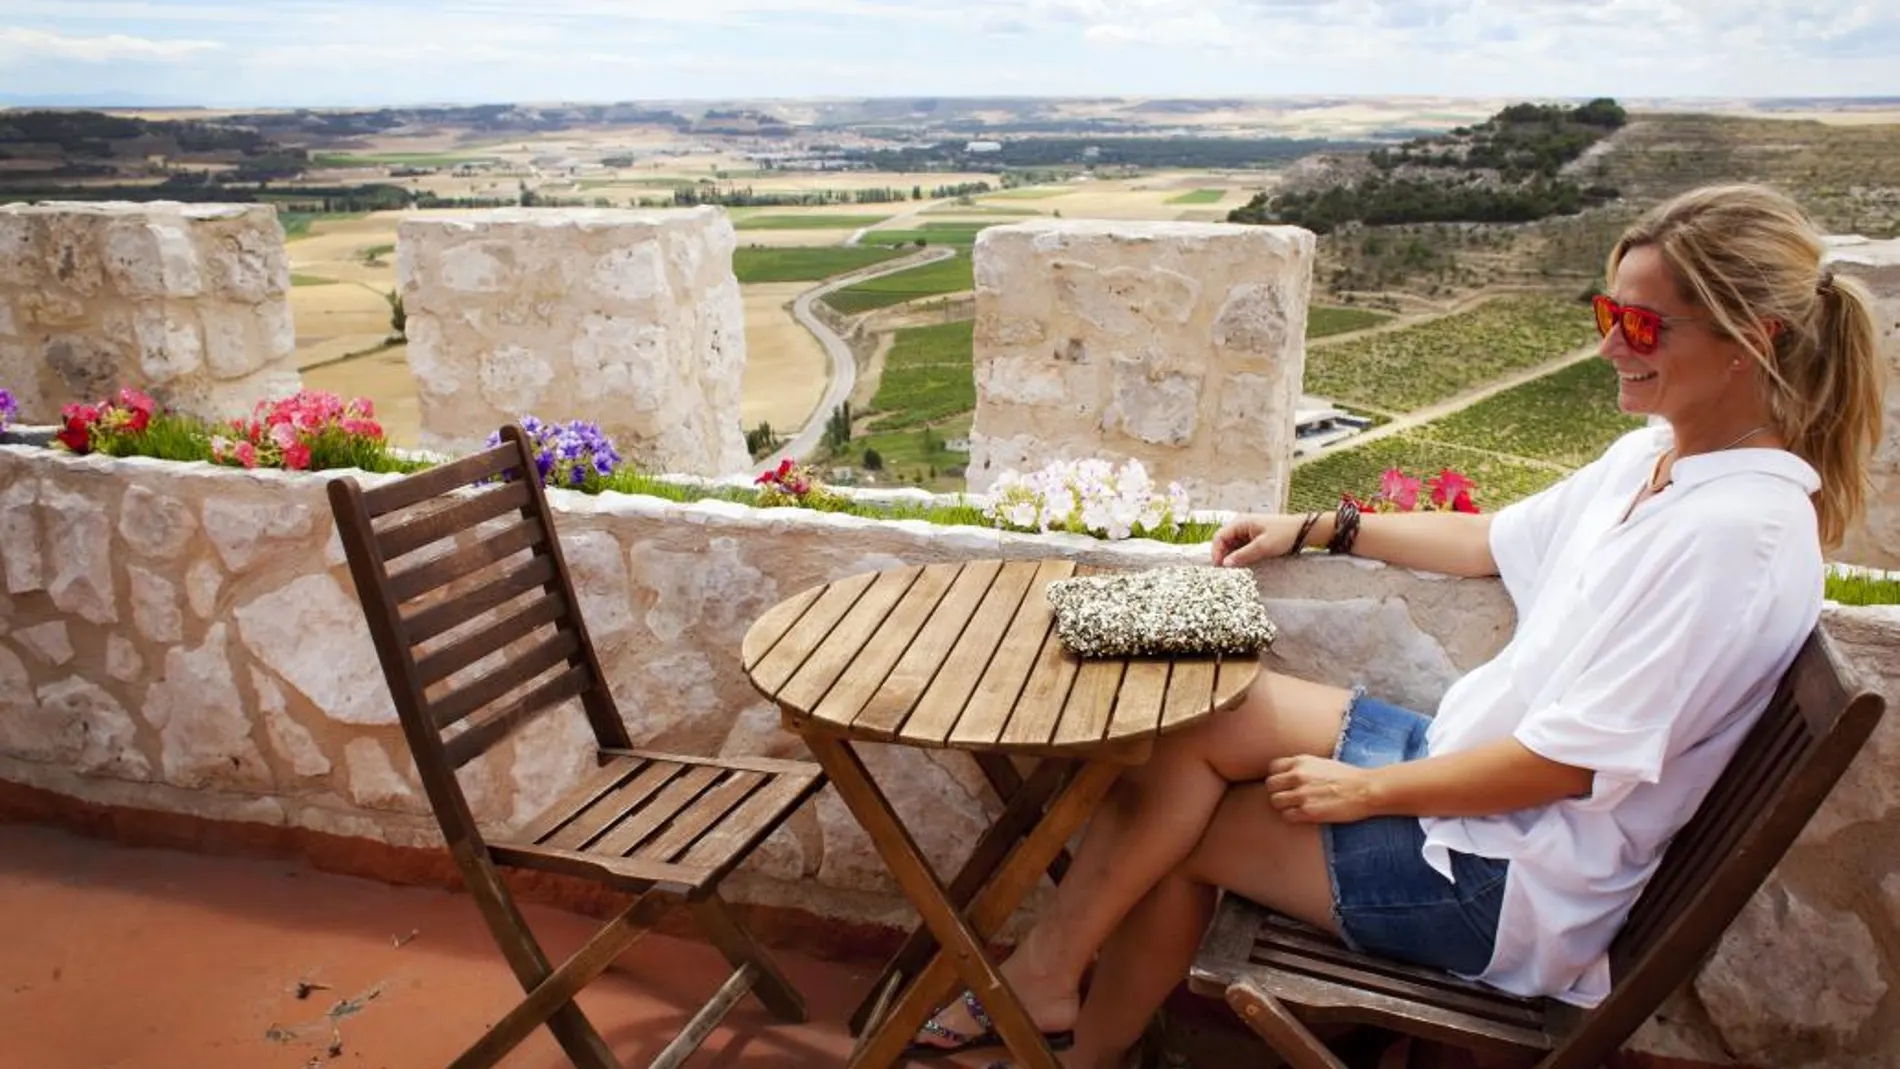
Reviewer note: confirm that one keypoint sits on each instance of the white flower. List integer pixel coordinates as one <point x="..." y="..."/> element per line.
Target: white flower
<point x="1089" y="495"/>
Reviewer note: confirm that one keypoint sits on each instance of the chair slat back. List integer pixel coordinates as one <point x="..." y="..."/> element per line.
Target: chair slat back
<point x="1802" y="744"/>
<point x="473" y="614"/>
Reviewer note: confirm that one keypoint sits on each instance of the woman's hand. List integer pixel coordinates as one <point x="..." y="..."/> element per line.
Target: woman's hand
<point x="1318" y="790"/>
<point x="1249" y="539"/>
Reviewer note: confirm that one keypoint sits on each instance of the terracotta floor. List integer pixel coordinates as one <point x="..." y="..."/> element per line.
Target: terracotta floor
<point x="117" y="957"/>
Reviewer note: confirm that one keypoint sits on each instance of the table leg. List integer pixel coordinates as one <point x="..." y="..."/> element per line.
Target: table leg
<point x="1023" y="807"/>
<point x="991" y="907"/>
<point x="963" y="949"/>
<point x="1006" y="781"/>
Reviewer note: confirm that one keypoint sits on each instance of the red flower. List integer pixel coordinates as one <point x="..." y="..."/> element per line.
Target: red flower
<point x="77" y="436"/>
<point x="1463" y="503"/>
<point x="77" y="433"/>
<point x="1446" y="487"/>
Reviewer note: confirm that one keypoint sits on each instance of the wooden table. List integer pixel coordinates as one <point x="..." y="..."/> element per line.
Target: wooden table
<point x="965" y="656"/>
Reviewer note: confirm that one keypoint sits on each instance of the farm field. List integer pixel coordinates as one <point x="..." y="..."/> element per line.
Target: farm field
<point x="1154" y="197"/>
<point x="959" y="233"/>
<point x="928" y="376"/>
<point x="1404" y="370"/>
<point x="1501" y="480"/>
<point x="911" y="456"/>
<point x="385" y="379"/>
<point x="1568" y="417"/>
<point x="338" y="283"/>
<point x="757" y="264"/>
<point x="954" y="275"/>
<point x="786" y="369"/>
<point x="812" y="221"/>
<point x="1323" y="320"/>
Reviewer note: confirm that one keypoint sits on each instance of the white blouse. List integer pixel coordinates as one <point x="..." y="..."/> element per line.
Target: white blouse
<point x="1645" y="649"/>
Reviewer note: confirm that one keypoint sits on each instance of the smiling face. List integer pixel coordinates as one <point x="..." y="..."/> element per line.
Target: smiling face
<point x="1692" y="369"/>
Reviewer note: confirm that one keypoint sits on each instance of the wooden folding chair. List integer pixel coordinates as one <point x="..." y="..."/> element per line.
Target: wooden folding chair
<point x="482" y="634"/>
<point x="1282" y="976"/>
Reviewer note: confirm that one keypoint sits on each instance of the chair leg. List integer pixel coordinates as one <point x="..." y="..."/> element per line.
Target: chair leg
<point x="740" y="949"/>
<point x="560" y="987"/>
<point x="1283" y="1032"/>
<point x="571" y="1028"/>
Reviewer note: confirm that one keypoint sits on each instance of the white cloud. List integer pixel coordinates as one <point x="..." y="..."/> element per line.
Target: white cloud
<point x="42" y="44"/>
<point x="288" y="51"/>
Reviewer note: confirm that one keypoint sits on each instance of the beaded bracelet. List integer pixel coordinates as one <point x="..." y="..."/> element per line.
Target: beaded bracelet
<point x="1299" y="540"/>
<point x="1345" y="528"/>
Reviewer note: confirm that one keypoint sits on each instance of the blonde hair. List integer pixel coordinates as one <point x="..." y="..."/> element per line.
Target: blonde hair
<point x="1750" y="257"/>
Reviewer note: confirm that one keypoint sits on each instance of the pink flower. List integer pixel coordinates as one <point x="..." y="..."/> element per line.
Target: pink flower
<point x="1400" y="489"/>
<point x="297" y="456"/>
<point x="246" y="454"/>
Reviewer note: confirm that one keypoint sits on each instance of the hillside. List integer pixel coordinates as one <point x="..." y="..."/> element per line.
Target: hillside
<point x="1847" y="175"/>
<point x="1505" y="169"/>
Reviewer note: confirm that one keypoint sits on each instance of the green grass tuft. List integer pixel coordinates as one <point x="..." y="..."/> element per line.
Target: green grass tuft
<point x="1854" y="589"/>
<point x="166" y="437"/>
<point x="311" y="280"/>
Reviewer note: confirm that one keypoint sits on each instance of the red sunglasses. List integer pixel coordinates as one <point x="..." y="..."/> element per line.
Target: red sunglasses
<point x="1642" y="328"/>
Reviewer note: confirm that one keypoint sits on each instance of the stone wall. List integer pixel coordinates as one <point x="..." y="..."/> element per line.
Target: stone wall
<point x="188" y="302"/>
<point x="1181" y="345"/>
<point x="630" y="319"/>
<point x="183" y="638"/>
<point x="1876" y="541"/>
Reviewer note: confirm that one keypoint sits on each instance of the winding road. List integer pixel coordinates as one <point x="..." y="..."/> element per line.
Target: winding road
<point x="844" y="367"/>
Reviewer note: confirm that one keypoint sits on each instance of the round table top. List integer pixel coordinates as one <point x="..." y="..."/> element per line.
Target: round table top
<point x="966" y="655"/>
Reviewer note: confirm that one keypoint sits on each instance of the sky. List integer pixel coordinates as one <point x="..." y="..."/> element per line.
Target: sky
<point x="259" y="53"/>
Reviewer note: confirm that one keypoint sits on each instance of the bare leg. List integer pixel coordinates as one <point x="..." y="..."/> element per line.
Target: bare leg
<point x="1148" y="827"/>
<point x="1247" y="848"/>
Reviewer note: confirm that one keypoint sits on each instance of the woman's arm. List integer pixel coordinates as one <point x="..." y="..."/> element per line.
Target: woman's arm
<point x="1499" y="777"/>
<point x="1450" y="543"/>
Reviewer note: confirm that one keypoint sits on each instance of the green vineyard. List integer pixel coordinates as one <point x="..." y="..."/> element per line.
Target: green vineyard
<point x="1405" y="370"/>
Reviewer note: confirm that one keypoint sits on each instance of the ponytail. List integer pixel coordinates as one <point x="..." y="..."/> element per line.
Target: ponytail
<point x="1846" y="387"/>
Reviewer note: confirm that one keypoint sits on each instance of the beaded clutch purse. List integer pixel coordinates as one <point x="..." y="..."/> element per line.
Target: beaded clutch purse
<point x="1182" y="610"/>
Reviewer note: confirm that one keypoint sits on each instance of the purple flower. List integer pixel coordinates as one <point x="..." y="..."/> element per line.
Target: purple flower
<point x="8" y="409"/>
<point x="568" y="454"/>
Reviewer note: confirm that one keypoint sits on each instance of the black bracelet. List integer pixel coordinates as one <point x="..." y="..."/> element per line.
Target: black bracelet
<point x="1299" y="540"/>
<point x="1345" y="528"/>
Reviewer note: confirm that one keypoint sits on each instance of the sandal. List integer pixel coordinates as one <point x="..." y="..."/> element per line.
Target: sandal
<point x="959" y="1042"/>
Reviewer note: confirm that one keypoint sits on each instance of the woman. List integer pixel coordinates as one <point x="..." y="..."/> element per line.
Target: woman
<point x="1661" y="592"/>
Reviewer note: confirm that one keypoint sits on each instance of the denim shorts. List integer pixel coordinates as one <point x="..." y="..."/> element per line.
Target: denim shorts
<point x="1386" y="899"/>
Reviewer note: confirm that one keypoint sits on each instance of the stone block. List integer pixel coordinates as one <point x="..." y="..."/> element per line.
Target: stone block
<point x="98" y="296"/>
<point x="1875" y="541"/>
<point x="1177" y="344"/>
<point x="632" y="319"/>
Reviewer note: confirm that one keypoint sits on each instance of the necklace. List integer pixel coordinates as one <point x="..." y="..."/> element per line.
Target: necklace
<point x="1656" y="469"/>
